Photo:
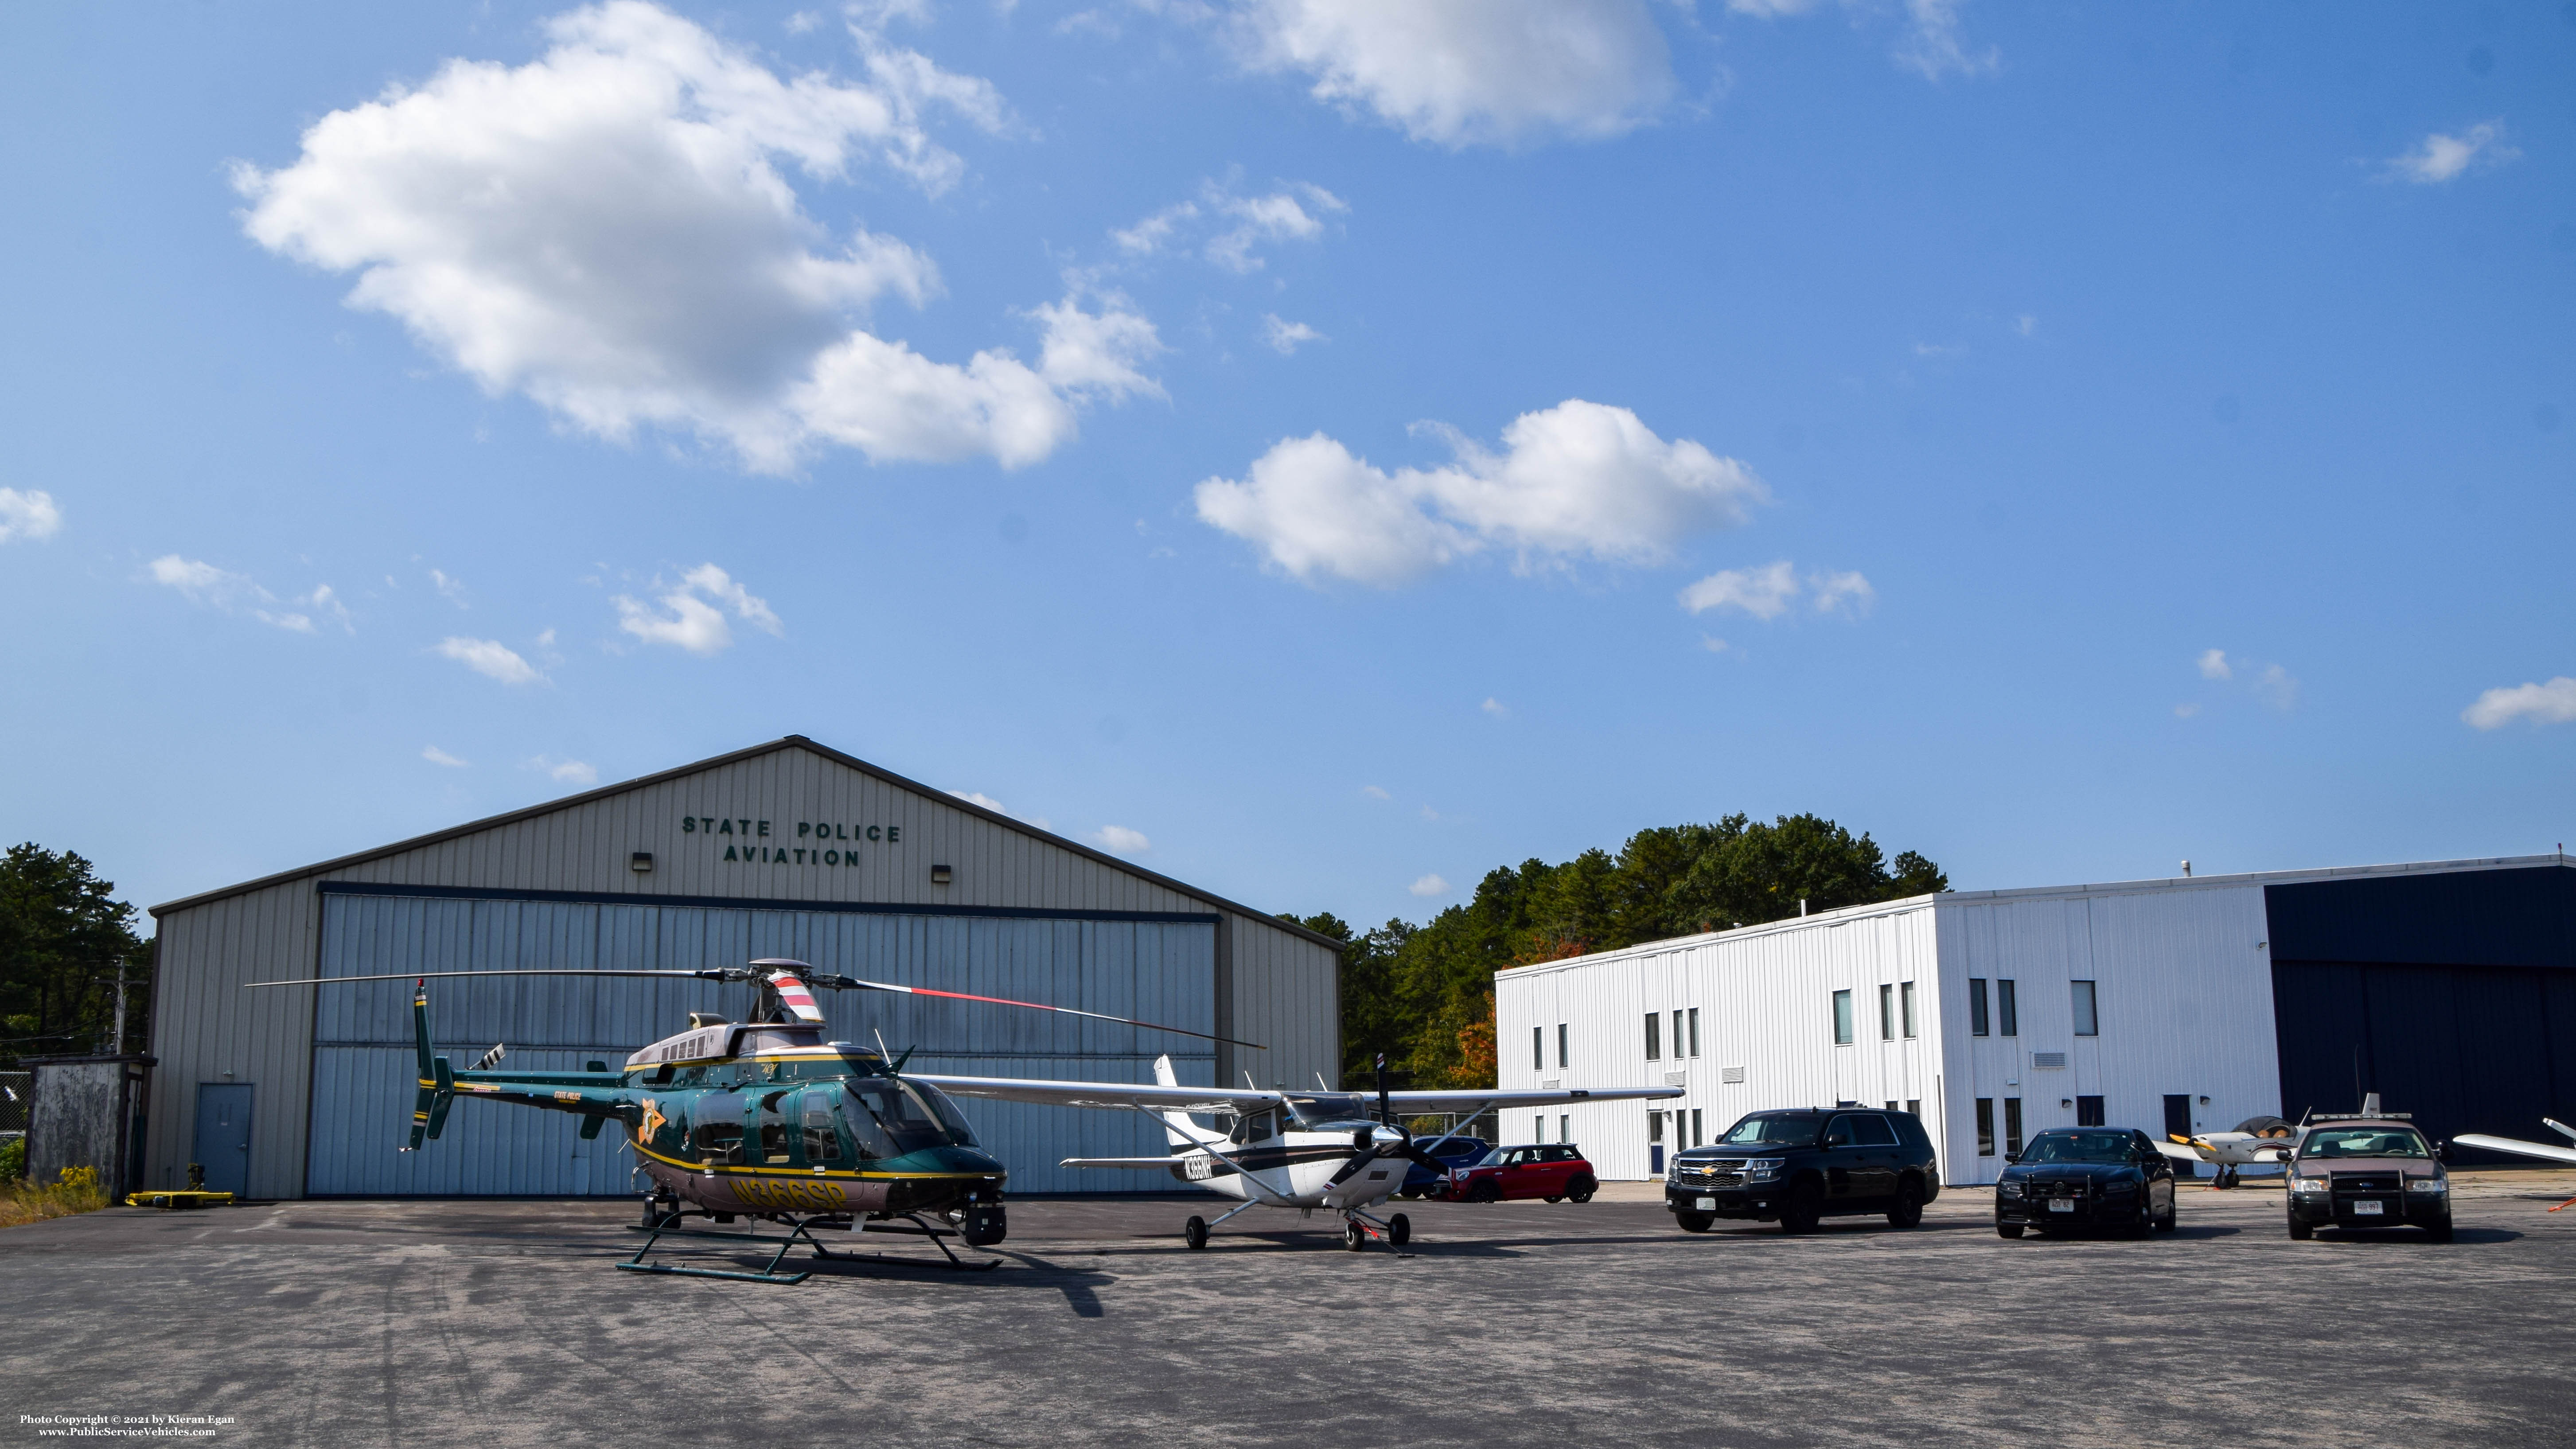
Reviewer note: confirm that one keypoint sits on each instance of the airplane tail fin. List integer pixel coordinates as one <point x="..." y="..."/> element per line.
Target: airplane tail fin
<point x="1177" y="1126"/>
<point x="437" y="1087"/>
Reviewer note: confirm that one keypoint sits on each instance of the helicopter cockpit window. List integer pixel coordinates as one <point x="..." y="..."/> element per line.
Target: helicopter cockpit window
<point x="901" y="1117"/>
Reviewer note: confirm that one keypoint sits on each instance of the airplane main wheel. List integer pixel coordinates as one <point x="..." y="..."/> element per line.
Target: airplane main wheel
<point x="1194" y="1232"/>
<point x="1399" y="1230"/>
<point x="1354" y="1237"/>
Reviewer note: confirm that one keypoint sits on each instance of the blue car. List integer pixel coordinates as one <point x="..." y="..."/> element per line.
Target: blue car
<point x="1457" y="1152"/>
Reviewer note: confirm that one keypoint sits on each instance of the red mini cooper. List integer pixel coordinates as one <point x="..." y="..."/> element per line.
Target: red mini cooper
<point x="1551" y="1171"/>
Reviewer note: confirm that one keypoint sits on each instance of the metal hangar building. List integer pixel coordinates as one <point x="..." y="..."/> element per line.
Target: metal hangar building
<point x="2174" y="1006"/>
<point x="785" y="849"/>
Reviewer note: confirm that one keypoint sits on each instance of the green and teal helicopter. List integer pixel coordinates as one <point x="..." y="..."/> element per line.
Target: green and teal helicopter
<point x="762" y="1118"/>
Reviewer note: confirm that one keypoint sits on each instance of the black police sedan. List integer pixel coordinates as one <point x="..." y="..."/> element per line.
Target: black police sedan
<point x="2086" y="1177"/>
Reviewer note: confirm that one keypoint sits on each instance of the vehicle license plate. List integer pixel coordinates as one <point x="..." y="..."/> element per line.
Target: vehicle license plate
<point x="2060" y="1205"/>
<point x="1705" y="1204"/>
<point x="2368" y="1209"/>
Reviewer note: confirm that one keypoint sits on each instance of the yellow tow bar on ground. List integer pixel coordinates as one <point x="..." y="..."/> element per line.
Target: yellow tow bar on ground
<point x="179" y="1199"/>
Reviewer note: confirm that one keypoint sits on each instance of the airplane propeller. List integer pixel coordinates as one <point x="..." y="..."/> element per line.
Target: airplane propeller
<point x="1387" y="1139"/>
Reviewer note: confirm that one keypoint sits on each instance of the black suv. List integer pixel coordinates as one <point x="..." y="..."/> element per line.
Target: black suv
<point x="1795" y="1167"/>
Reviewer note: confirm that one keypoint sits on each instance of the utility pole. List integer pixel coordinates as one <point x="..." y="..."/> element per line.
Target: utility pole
<point x="117" y="1049"/>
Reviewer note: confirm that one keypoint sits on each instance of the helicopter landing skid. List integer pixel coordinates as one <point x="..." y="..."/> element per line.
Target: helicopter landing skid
<point x="799" y="1230"/>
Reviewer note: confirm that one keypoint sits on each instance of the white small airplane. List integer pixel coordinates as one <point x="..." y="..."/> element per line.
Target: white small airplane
<point x="1284" y="1149"/>
<point x="2257" y="1141"/>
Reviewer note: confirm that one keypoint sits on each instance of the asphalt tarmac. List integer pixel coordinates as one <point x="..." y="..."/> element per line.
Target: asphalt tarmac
<point x="502" y="1323"/>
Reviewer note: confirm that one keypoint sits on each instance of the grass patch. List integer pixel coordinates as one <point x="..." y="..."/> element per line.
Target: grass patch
<point x="76" y="1191"/>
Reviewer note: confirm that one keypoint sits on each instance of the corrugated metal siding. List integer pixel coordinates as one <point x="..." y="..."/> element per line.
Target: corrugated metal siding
<point x="1766" y="1005"/>
<point x="1152" y="971"/>
<point x="2185" y="1005"/>
<point x="206" y="1025"/>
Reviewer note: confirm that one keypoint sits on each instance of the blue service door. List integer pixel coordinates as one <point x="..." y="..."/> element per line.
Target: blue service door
<point x="222" y="1144"/>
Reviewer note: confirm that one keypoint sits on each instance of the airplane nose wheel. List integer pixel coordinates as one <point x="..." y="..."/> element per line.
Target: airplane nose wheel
<point x="1194" y="1232"/>
<point x="1399" y="1230"/>
<point x="1354" y="1236"/>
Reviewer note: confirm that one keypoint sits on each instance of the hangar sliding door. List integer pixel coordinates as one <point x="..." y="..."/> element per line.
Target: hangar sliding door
<point x="1155" y="969"/>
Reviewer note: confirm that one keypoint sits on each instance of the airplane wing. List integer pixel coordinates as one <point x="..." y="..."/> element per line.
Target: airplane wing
<point x="1122" y="1096"/>
<point x="1150" y="1164"/>
<point x="2182" y="1152"/>
<point x="1418" y="1103"/>
<point x="2541" y="1150"/>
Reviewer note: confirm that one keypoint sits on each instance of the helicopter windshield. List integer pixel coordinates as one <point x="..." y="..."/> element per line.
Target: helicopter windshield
<point x="901" y="1117"/>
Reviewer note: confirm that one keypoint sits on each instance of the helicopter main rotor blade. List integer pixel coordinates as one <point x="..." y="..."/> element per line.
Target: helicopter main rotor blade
<point x="718" y="975"/>
<point x="854" y="983"/>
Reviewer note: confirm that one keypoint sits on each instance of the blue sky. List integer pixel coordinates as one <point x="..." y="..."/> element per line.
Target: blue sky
<point x="1321" y="449"/>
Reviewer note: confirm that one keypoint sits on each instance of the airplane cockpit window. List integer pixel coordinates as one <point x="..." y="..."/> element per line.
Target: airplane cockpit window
<point x="1327" y="1107"/>
<point x="2364" y="1142"/>
<point x="1251" y="1129"/>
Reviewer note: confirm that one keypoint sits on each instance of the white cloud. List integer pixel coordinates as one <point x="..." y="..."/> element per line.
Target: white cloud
<point x="2026" y="325"/>
<point x="2213" y="665"/>
<point x="1234" y="226"/>
<point x="1467" y="72"/>
<point x="1577" y="480"/>
<point x="2277" y="688"/>
<point x="997" y="807"/>
<point x="1496" y="708"/>
<point x="437" y="756"/>
<point x="1765" y="593"/>
<point x="607" y="229"/>
<point x="31" y="514"/>
<point x="689" y="618"/>
<point x="566" y="772"/>
<point x="1284" y="337"/>
<point x="1120" y="839"/>
<point x="1429" y="885"/>
<point x="1940" y="349"/>
<point x="1847" y="593"/>
<point x="207" y="586"/>
<point x="1375" y="792"/>
<point x="2551" y="703"/>
<point x="2185" y="711"/>
<point x="1935" y="48"/>
<point x="490" y="658"/>
<point x="2439" y="158"/>
<point x="450" y="589"/>
<point x="1715" y="645"/>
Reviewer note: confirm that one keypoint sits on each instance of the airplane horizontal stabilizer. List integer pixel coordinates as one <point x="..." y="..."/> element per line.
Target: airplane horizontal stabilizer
<point x="1152" y="1163"/>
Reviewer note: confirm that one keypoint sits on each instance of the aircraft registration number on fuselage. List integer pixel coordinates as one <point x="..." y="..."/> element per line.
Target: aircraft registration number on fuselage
<point x="1199" y="1166"/>
<point x="786" y="1192"/>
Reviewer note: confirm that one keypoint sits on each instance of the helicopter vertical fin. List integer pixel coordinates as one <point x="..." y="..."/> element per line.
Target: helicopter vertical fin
<point x="437" y="1084"/>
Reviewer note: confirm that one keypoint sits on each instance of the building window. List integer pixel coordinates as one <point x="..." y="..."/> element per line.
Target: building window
<point x="1697" y="1138"/>
<point x="1891" y="1105"/>
<point x="1985" y="1126"/>
<point x="1654" y="1035"/>
<point x="1538" y="1049"/>
<point x="1538" y="1131"/>
<point x="2087" y="1021"/>
<point x="1976" y="1006"/>
<point x="1694" y="1031"/>
<point x="1914" y="1106"/>
<point x="2008" y="1014"/>
<point x="1842" y="1018"/>
<point x="2012" y="1126"/>
<point x="1905" y="1003"/>
<point x="1887" y="1013"/>
<point x="2088" y="1112"/>
<point x="1655" y="1129"/>
<point x="1560" y="1046"/>
<point x="1564" y="1129"/>
<point x="1677" y="1034"/>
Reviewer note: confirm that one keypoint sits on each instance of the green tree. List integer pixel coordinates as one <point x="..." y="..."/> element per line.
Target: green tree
<point x="63" y="932"/>
<point x="1424" y="995"/>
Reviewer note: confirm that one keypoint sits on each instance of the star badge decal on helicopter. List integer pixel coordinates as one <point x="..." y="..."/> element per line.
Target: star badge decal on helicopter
<point x="653" y="1120"/>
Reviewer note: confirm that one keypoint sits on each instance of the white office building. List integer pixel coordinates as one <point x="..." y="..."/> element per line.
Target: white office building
<point x="2178" y="1005"/>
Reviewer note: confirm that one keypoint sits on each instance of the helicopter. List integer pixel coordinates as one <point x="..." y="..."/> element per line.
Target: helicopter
<point x="1285" y="1149"/>
<point x="763" y="1118"/>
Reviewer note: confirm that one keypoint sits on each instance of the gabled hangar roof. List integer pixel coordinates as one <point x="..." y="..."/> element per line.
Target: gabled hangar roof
<point x="790" y="742"/>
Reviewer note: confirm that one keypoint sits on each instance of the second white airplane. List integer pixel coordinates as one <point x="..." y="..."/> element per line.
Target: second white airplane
<point x="1285" y="1149"/>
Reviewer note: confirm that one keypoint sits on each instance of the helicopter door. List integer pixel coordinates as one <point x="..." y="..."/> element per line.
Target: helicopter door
<point x="821" y="1136"/>
<point x="766" y="1124"/>
<point x="715" y="1128"/>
